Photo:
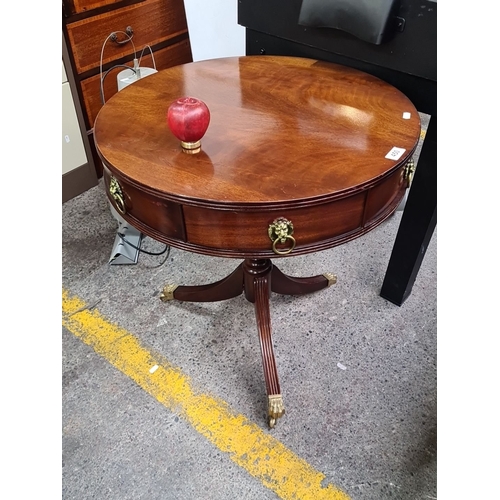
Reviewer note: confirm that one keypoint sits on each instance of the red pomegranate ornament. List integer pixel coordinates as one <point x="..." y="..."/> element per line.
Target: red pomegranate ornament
<point x="188" y="119"/>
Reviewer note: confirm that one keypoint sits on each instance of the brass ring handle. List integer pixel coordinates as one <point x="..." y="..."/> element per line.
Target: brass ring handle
<point x="116" y="193"/>
<point x="284" y="252"/>
<point x="280" y="231"/>
<point x="128" y="31"/>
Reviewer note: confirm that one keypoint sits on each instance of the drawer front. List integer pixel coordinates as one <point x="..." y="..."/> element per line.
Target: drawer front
<point x="152" y="22"/>
<point x="78" y="6"/>
<point x="150" y="214"/>
<point x="247" y="232"/>
<point x="384" y="195"/>
<point x="180" y="53"/>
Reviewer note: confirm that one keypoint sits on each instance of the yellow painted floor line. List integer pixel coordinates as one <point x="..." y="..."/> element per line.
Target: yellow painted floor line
<point x="256" y="451"/>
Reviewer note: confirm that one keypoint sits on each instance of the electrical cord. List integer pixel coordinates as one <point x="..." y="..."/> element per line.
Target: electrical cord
<point x="106" y="41"/>
<point x="144" y="251"/>
<point x="134" y="68"/>
<point x="152" y="55"/>
<point x="118" y="65"/>
<point x="122" y="237"/>
<point x="167" y="250"/>
<point x="105" y="74"/>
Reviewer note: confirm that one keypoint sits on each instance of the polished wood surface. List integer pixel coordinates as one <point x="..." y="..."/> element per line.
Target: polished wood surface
<point x="290" y="137"/>
<point x="329" y="125"/>
<point x="72" y="7"/>
<point x="79" y="6"/>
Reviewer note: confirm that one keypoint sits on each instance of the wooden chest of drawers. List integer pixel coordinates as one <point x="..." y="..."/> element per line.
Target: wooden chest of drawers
<point x="103" y="36"/>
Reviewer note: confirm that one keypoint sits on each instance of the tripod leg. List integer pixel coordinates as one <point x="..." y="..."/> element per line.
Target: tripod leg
<point x="257" y="290"/>
<point x="288" y="285"/>
<point x="226" y="288"/>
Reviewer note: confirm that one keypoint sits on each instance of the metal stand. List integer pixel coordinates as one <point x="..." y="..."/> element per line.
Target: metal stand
<point x="122" y="252"/>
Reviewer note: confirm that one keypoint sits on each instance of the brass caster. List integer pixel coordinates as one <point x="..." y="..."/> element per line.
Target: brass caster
<point x="332" y="278"/>
<point x="168" y="293"/>
<point x="275" y="409"/>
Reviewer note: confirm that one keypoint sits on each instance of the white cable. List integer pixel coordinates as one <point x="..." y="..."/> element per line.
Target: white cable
<point x="102" y="52"/>
<point x="152" y="55"/>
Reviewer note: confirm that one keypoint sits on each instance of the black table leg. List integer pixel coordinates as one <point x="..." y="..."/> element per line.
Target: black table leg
<point x="417" y="224"/>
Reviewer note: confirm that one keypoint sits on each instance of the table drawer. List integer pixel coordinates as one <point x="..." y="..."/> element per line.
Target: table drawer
<point x="385" y="194"/>
<point x="79" y="6"/>
<point x="179" y="53"/>
<point x="147" y="212"/>
<point x="247" y="231"/>
<point x="315" y="227"/>
<point x="152" y="22"/>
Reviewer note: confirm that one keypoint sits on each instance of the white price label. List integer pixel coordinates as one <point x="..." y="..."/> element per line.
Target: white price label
<point x="395" y="153"/>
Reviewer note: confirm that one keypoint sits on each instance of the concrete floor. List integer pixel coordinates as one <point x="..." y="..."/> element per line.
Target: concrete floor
<point x="358" y="374"/>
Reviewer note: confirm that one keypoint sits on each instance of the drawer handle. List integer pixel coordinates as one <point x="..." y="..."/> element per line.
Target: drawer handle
<point x="116" y="193"/>
<point x="409" y="171"/>
<point x="128" y="31"/>
<point x="280" y="231"/>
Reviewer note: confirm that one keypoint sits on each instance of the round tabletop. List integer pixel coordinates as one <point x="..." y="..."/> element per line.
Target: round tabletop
<point x="284" y="133"/>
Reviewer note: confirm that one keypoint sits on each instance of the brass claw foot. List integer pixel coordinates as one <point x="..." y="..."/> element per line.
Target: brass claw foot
<point x="332" y="278"/>
<point x="275" y="409"/>
<point x="168" y="293"/>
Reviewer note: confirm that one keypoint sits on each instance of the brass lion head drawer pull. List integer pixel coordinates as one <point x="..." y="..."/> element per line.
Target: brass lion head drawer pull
<point x="280" y="231"/>
<point x="116" y="193"/>
<point x="409" y="171"/>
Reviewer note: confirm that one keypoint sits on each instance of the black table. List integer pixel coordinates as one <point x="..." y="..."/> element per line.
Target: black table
<point x="408" y="61"/>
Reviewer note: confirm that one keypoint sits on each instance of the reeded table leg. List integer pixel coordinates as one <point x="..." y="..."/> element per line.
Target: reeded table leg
<point x="257" y="278"/>
<point x="257" y="275"/>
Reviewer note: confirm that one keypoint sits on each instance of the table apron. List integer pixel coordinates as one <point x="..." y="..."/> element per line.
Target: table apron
<point x="243" y="233"/>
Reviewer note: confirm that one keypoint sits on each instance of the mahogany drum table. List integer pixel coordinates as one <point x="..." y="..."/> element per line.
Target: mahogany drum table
<point x="300" y="156"/>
